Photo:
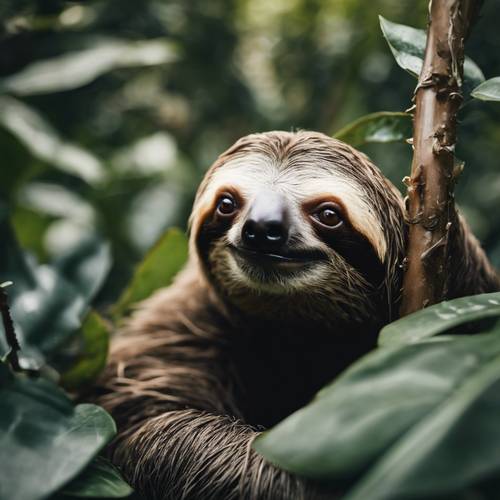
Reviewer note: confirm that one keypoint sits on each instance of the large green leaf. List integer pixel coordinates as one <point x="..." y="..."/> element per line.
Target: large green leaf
<point x="99" y="480"/>
<point x="452" y="448"/>
<point x="407" y="44"/>
<point x="384" y="126"/>
<point x="380" y="402"/>
<point x="88" y="357"/>
<point x="44" y="440"/>
<point x="79" y="68"/>
<point x="45" y="144"/>
<point x="488" y="90"/>
<point x="157" y="270"/>
<point x="440" y="318"/>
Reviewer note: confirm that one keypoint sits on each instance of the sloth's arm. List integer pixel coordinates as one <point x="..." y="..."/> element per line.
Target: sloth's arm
<point x="188" y="454"/>
<point x="170" y="390"/>
<point x="470" y="270"/>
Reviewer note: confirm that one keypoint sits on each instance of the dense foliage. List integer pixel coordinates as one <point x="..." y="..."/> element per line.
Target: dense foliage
<point x="110" y="111"/>
<point x="49" y="445"/>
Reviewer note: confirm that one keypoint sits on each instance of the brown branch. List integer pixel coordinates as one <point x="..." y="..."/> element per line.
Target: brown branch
<point x="10" y="333"/>
<point x="431" y="209"/>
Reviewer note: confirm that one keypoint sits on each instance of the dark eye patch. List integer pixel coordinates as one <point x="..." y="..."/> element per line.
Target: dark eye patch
<point x="211" y="229"/>
<point x="344" y="239"/>
<point x="216" y="222"/>
<point x="354" y="248"/>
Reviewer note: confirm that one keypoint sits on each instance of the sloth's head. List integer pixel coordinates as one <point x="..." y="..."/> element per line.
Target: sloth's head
<point x="289" y="225"/>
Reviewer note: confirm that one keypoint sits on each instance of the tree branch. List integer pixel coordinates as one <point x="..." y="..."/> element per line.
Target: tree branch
<point x="431" y="209"/>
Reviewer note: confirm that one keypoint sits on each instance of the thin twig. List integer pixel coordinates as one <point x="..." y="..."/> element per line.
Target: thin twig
<point x="10" y="332"/>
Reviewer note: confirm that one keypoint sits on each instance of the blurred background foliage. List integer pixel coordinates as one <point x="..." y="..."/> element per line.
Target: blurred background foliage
<point x="111" y="110"/>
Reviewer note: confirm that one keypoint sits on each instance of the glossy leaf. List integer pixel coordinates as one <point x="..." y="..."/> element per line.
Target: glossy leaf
<point x="488" y="90"/>
<point x="453" y="447"/>
<point x="384" y="126"/>
<point x="440" y="318"/>
<point x="86" y="266"/>
<point x="45" y="144"/>
<point x="100" y="479"/>
<point x="157" y="270"/>
<point x="44" y="440"/>
<point x="78" y="68"/>
<point x="407" y="44"/>
<point x="47" y="309"/>
<point x="379" y="401"/>
<point x="88" y="357"/>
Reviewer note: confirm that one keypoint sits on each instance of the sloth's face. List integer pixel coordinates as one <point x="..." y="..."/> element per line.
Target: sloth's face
<point x="297" y="224"/>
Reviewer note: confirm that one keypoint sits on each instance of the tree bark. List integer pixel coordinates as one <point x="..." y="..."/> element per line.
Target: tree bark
<point x="431" y="210"/>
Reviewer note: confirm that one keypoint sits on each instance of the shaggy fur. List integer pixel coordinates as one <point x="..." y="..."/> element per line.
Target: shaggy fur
<point x="203" y="366"/>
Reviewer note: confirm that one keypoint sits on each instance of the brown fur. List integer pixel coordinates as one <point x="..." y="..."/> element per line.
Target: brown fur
<point x="199" y="369"/>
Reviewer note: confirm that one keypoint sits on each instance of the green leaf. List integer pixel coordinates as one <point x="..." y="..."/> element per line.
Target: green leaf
<point x="157" y="270"/>
<point x="440" y="318"/>
<point x="12" y="260"/>
<point x="407" y="44"/>
<point x="57" y="202"/>
<point x="46" y="308"/>
<point x="384" y="126"/>
<point x="30" y="226"/>
<point x="488" y="90"/>
<point x="44" y="143"/>
<point x="91" y="353"/>
<point x="453" y="447"/>
<point x="86" y="265"/>
<point x="100" y="479"/>
<point x="78" y="68"/>
<point x="44" y="440"/>
<point x="377" y="403"/>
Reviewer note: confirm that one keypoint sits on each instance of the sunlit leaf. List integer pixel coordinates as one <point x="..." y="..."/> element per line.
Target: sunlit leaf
<point x="440" y="318"/>
<point x="44" y="440"/>
<point x="154" y="154"/>
<point x="386" y="399"/>
<point x="157" y="270"/>
<point x="90" y="350"/>
<point x="56" y="201"/>
<point x="384" y="126"/>
<point x="488" y="90"/>
<point x="99" y="480"/>
<point x="78" y="68"/>
<point x="44" y="143"/>
<point x="407" y="44"/>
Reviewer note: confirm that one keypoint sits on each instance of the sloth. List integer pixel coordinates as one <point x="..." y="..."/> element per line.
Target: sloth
<point x="297" y="245"/>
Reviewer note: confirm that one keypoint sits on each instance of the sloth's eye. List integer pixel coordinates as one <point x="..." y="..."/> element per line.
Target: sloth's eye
<point x="226" y="205"/>
<point x="328" y="216"/>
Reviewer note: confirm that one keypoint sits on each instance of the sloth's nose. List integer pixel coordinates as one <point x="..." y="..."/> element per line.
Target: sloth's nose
<point x="267" y="225"/>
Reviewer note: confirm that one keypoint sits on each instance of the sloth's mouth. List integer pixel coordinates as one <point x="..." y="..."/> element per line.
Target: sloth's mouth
<point x="284" y="257"/>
